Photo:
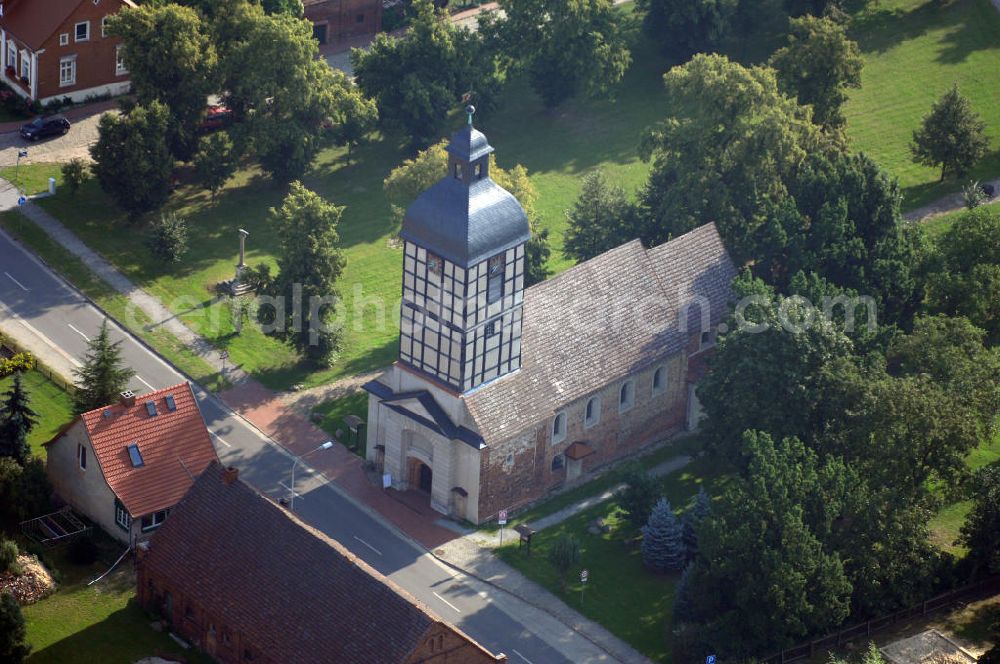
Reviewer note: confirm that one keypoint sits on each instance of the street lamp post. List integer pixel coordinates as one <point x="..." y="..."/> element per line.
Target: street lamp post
<point x="291" y="501"/>
<point x="17" y="168"/>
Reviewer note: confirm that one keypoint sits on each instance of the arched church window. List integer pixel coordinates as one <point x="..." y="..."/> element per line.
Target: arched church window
<point x="494" y="278"/>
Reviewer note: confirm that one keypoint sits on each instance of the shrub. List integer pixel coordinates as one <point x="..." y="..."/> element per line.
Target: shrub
<point x="563" y="555"/>
<point x="13" y="633"/>
<point x="167" y="238"/>
<point x="8" y="556"/>
<point x="639" y="495"/>
<point x="21" y="362"/>
<point x="82" y="551"/>
<point x="75" y="172"/>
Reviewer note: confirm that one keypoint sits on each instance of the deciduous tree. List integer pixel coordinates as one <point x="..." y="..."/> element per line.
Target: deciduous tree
<point x="951" y="136"/>
<point x="567" y="47"/>
<point x="563" y="554"/>
<point x="309" y="264"/>
<point x="131" y="159"/>
<point x="75" y="172"/>
<point x="818" y="65"/>
<point x="686" y="27"/>
<point x="103" y="376"/>
<point x="171" y="59"/>
<point x="639" y="495"/>
<point x="168" y="237"/>
<point x="418" y="79"/>
<point x="981" y="530"/>
<point x="215" y="162"/>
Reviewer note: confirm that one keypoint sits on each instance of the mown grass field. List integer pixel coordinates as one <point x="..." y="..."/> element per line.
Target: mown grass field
<point x="914" y="51"/>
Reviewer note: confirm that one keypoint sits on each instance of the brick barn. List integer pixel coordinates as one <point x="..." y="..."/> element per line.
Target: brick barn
<point x="246" y="581"/>
<point x="503" y="394"/>
<point x="50" y="49"/>
<point x="337" y="20"/>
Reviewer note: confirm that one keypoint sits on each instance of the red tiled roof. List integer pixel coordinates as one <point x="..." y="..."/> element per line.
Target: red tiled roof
<point x="34" y="21"/>
<point x="290" y="590"/>
<point x="175" y="448"/>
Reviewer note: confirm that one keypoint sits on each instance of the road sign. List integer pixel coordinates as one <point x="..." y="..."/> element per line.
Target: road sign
<point x="710" y="659"/>
<point x="21" y="200"/>
<point x="502" y="518"/>
<point x="584" y="575"/>
<point x="386" y="480"/>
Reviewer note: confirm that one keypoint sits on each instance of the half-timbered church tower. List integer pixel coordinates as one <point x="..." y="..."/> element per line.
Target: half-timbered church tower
<point x="501" y="393"/>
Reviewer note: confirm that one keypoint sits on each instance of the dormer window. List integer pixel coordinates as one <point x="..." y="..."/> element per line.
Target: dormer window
<point x="151" y="408"/>
<point x="135" y="456"/>
<point x="479" y="171"/>
<point x="171" y="402"/>
<point x="458" y="171"/>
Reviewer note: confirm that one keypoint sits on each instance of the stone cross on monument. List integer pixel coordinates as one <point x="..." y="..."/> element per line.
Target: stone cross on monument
<point x="236" y="286"/>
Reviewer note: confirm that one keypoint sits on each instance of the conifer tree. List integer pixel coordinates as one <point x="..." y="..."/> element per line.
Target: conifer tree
<point x="700" y="508"/>
<point x="663" y="540"/>
<point x="102" y="377"/>
<point x="951" y="136"/>
<point x="16" y="422"/>
<point x="13" y="633"/>
<point x="683" y="600"/>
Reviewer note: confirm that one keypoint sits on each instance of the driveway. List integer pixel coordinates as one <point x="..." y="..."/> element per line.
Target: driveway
<point x="59" y="149"/>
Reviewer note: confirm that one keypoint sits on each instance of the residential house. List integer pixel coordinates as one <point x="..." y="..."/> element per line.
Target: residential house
<point x="246" y="581"/>
<point x="502" y="393"/>
<point x="50" y="49"/>
<point x="126" y="465"/>
<point x="338" y="20"/>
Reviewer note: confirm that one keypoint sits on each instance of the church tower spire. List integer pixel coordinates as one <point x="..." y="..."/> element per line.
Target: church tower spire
<point x="463" y="272"/>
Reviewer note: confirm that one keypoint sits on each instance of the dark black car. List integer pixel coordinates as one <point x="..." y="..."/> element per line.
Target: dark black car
<point x="53" y="125"/>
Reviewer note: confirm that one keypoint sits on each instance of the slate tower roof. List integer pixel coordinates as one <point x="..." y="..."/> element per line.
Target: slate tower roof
<point x="466" y="217"/>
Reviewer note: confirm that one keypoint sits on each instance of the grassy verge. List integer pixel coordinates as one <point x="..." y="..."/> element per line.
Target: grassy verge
<point x="914" y="51"/>
<point x="333" y="413"/>
<point x="117" y="305"/>
<point x="53" y="406"/>
<point x="32" y="178"/>
<point x="99" y="624"/>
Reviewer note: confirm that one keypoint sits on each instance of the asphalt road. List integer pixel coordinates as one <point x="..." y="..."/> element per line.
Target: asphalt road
<point x="48" y="308"/>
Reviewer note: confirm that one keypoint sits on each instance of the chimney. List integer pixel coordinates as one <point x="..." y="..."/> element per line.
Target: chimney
<point x="229" y="475"/>
<point x="127" y="398"/>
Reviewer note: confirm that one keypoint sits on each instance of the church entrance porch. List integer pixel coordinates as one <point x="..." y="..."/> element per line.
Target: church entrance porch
<point x="420" y="476"/>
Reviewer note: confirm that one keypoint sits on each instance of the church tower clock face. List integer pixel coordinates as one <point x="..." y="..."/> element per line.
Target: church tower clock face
<point x="463" y="272"/>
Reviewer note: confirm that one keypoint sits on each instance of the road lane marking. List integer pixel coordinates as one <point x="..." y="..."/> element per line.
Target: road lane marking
<point x="446" y="602"/>
<point x="23" y="287"/>
<point x="139" y="378"/>
<point x="521" y="656"/>
<point x="78" y="331"/>
<point x="48" y="342"/>
<point x="368" y="545"/>
<point x="219" y="438"/>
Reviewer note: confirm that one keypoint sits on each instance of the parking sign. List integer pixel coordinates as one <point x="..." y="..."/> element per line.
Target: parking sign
<point x="502" y="518"/>
<point x="710" y="659"/>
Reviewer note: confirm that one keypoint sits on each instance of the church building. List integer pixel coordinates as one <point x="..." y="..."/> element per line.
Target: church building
<point x="502" y="393"/>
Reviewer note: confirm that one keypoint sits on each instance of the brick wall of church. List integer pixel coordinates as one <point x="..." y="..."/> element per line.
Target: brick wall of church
<point x="520" y="471"/>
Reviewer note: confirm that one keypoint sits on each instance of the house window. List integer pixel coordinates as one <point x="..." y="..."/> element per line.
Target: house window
<point x="479" y="171"/>
<point x="81" y="455"/>
<point x="626" y="396"/>
<point x="120" y="67"/>
<point x="360" y="18"/>
<point x="82" y="31"/>
<point x="659" y="380"/>
<point x="154" y="520"/>
<point x="64" y="39"/>
<point x="491" y="329"/>
<point x="434" y="264"/>
<point x="12" y="55"/>
<point x="25" y="66"/>
<point x="104" y="27"/>
<point x="247" y="655"/>
<point x="67" y="71"/>
<point x="707" y="340"/>
<point x="558" y="461"/>
<point x="592" y="415"/>
<point x="494" y="279"/>
<point x="458" y="171"/>
<point x="122" y="517"/>
<point x="559" y="428"/>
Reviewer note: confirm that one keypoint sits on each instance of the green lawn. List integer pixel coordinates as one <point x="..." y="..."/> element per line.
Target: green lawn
<point x="32" y="178"/>
<point x="914" y="50"/>
<point x="99" y="624"/>
<point x="77" y="273"/>
<point x="621" y="595"/>
<point x="50" y="402"/>
<point x="333" y="413"/>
